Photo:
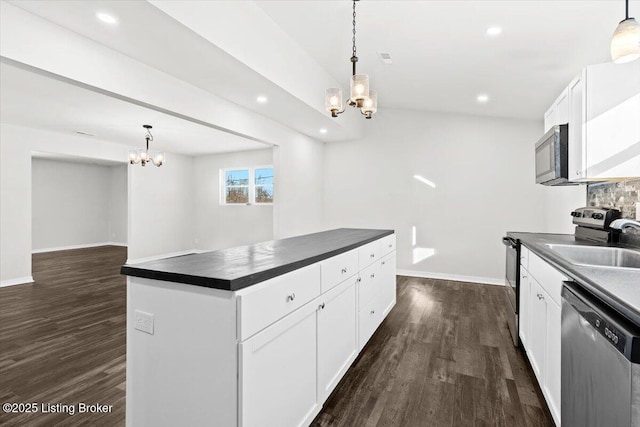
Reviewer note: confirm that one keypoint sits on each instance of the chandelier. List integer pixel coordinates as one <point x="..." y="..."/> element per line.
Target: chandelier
<point x="360" y="96"/>
<point x="143" y="156"/>
<point x="625" y="43"/>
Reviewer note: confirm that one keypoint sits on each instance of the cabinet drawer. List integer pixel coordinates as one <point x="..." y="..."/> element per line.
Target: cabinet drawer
<point x="337" y="269"/>
<point x="524" y="256"/>
<point x="387" y="244"/>
<point x="263" y="304"/>
<point x="369" y="253"/>
<point x="368" y="320"/>
<point x="547" y="276"/>
<point x="368" y="284"/>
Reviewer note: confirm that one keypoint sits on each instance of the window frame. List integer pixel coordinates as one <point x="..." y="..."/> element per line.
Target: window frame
<point x="251" y="186"/>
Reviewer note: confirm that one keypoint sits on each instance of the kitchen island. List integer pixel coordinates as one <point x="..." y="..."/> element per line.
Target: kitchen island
<point x="257" y="335"/>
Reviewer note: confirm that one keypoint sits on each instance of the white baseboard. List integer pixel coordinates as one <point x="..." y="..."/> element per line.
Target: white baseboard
<point x="161" y="256"/>
<point x="454" y="277"/>
<point x="17" y="281"/>
<point x="82" y="246"/>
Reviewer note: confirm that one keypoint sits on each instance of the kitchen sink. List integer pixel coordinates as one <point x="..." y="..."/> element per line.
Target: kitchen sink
<point x="598" y="256"/>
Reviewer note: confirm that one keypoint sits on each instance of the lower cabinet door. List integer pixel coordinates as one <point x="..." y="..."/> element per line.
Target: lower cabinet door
<point x="278" y="373"/>
<point x="553" y="361"/>
<point x="537" y="329"/>
<point x="337" y="335"/>
<point x="387" y="285"/>
<point x="368" y="320"/>
<point x="524" y="314"/>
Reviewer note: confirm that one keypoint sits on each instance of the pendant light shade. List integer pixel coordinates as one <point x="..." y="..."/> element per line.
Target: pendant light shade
<point x="625" y="43"/>
<point x="359" y="88"/>
<point x="370" y="104"/>
<point x="333" y="101"/>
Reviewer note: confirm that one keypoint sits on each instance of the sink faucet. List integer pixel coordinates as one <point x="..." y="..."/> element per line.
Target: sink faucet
<point x="626" y="225"/>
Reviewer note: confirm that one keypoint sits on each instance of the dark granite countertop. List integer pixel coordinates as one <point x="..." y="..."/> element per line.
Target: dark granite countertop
<point x="618" y="288"/>
<point x="236" y="268"/>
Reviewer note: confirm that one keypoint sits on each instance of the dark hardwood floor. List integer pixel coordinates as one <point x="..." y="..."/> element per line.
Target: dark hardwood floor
<point x="443" y="357"/>
<point x="62" y="339"/>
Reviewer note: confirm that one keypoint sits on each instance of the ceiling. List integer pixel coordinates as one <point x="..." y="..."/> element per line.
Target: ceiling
<point x="34" y="100"/>
<point x="75" y="159"/>
<point x="442" y="59"/>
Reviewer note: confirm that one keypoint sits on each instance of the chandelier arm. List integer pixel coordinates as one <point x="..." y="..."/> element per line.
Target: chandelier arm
<point x="626" y="10"/>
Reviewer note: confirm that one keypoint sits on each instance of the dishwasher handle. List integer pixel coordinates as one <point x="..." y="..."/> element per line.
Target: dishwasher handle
<point x="619" y="333"/>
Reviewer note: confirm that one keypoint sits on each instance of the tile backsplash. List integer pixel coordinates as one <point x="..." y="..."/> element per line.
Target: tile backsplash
<point x="618" y="194"/>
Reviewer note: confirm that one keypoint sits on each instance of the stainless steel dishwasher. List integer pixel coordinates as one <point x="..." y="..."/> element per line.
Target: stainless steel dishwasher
<point x="600" y="370"/>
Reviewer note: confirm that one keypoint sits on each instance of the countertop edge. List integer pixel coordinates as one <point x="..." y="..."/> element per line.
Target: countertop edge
<point x="585" y="282"/>
<point x="244" y="281"/>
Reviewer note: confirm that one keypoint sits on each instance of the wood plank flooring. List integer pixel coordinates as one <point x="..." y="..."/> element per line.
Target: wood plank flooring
<point x="62" y="339"/>
<point x="443" y="357"/>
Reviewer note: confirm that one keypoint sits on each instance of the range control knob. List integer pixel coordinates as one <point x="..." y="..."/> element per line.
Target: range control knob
<point x="597" y="216"/>
<point x="576" y="214"/>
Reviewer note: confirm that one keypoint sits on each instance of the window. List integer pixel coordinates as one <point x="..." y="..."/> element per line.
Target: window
<point x="247" y="186"/>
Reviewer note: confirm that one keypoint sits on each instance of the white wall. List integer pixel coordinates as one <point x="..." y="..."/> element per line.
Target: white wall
<point x="483" y="173"/>
<point x="218" y="226"/>
<point x="161" y="208"/>
<point x="74" y="204"/>
<point x="118" y="204"/>
<point x="299" y="187"/>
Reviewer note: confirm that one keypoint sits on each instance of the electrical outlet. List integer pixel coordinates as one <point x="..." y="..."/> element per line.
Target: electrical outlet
<point x="144" y="322"/>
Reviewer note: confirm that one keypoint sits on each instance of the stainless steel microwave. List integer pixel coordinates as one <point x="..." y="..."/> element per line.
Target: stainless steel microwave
<point x="552" y="157"/>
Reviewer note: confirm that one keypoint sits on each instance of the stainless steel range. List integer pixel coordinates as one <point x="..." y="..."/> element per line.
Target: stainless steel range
<point x="592" y="223"/>
<point x="512" y="286"/>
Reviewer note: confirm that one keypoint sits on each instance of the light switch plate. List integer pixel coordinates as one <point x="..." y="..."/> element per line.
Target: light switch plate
<point x="144" y="321"/>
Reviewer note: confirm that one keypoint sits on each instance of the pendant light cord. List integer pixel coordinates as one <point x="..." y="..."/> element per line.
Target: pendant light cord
<point x="354" y="57"/>
<point x="626" y="12"/>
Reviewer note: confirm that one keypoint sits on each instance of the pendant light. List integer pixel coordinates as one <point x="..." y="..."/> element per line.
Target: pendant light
<point x="143" y="156"/>
<point x="359" y="94"/>
<point x="625" y="43"/>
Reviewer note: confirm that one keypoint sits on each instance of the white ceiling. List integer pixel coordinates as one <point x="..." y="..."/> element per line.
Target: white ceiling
<point x="33" y="100"/>
<point x="442" y="58"/>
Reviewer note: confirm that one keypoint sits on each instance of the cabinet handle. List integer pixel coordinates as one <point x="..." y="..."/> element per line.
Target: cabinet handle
<point x="578" y="172"/>
<point x="540" y="296"/>
<point x="344" y="270"/>
<point x="384" y="262"/>
<point x="373" y="276"/>
<point x="390" y="246"/>
<point x="359" y="279"/>
<point x="372" y="255"/>
<point x="373" y="312"/>
<point x="291" y="297"/>
<point x="524" y="276"/>
<point x="321" y="306"/>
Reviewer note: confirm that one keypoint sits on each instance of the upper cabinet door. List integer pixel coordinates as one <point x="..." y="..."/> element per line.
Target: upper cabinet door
<point x="612" y="125"/>
<point x="577" y="112"/>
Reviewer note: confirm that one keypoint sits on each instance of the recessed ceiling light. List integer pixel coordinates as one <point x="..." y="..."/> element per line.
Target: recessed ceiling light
<point x="323" y="131"/>
<point x="261" y="99"/>
<point x="494" y="31"/>
<point x="106" y="18"/>
<point x="482" y="98"/>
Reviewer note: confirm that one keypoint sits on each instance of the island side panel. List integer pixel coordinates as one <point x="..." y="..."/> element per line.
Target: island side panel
<point x="185" y="373"/>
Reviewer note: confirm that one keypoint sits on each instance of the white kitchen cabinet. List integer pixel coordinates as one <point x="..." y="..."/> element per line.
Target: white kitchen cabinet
<point x="604" y="122"/>
<point x="540" y="325"/>
<point x="538" y="331"/>
<point x="524" y="316"/>
<point x="387" y="283"/>
<point x="278" y="373"/>
<point x="553" y="361"/>
<point x="265" y="355"/>
<point x="558" y="113"/>
<point x="337" y="335"/>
